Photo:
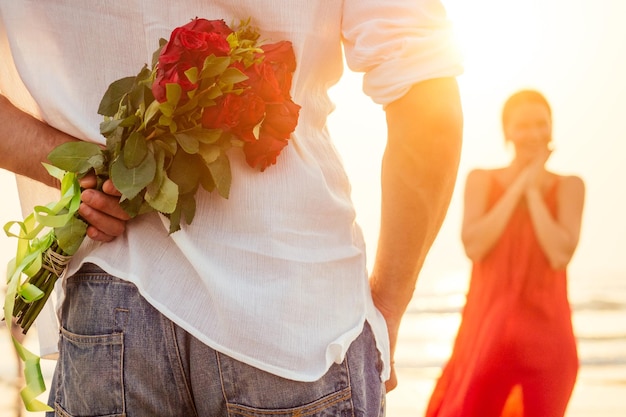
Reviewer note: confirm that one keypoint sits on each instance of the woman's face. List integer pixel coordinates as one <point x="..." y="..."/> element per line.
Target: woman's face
<point x="529" y="129"/>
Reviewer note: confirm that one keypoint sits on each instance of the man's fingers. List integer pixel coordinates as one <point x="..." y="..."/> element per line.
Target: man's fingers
<point x="110" y="189"/>
<point x="105" y="203"/>
<point x="98" y="235"/>
<point x="104" y="223"/>
<point x="392" y="382"/>
<point x="88" y="181"/>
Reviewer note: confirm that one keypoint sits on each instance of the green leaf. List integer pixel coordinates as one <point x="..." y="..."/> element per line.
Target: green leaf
<point x="220" y="171"/>
<point x="134" y="206"/>
<point x="130" y="181"/>
<point x="188" y="141"/>
<point x="184" y="171"/>
<point x="162" y="193"/>
<point x="110" y="102"/>
<point x="167" y="143"/>
<point x="188" y="206"/>
<point x="135" y="150"/>
<point x="151" y="111"/>
<point x="209" y="136"/>
<point x="54" y="171"/>
<point x="192" y="74"/>
<point x="185" y="209"/>
<point x="109" y="126"/>
<point x="165" y="120"/>
<point x="206" y="180"/>
<point x="209" y="153"/>
<point x="114" y="141"/>
<point x="74" y="156"/>
<point x="129" y="121"/>
<point x="214" y="66"/>
<point x="167" y="109"/>
<point x="98" y="162"/>
<point x="71" y="235"/>
<point x="213" y="92"/>
<point x="173" y="92"/>
<point x="163" y="198"/>
<point x="175" y="220"/>
<point x="233" y="76"/>
<point x="141" y="92"/>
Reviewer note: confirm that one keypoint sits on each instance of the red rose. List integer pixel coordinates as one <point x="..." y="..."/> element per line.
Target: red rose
<point x="176" y="75"/>
<point x="281" y="58"/>
<point x="239" y="114"/>
<point x="224" y="114"/>
<point x="252" y="113"/>
<point x="271" y="78"/>
<point x="262" y="80"/>
<point x="280" y="119"/>
<point x="280" y="52"/>
<point x="213" y="26"/>
<point x="188" y="47"/>
<point x="263" y="152"/>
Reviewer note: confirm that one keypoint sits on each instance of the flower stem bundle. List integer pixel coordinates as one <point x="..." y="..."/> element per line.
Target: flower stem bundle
<point x="53" y="264"/>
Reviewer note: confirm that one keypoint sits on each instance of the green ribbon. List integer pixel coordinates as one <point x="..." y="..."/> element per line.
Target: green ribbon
<point x="35" y="236"/>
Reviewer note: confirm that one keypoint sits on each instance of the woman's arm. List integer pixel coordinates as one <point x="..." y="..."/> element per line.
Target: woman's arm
<point x="481" y="229"/>
<point x="418" y="175"/>
<point x="558" y="237"/>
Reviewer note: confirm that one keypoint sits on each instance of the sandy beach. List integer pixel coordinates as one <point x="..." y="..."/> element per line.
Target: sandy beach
<point x="598" y="392"/>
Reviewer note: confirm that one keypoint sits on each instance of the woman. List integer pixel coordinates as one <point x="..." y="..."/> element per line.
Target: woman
<point x="264" y="305"/>
<point x="515" y="352"/>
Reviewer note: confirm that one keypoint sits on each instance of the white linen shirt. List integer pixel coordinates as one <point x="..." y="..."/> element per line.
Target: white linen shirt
<point x="275" y="276"/>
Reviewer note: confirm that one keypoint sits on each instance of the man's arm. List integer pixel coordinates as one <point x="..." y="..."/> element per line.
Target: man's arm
<point x="25" y="143"/>
<point x="419" y="171"/>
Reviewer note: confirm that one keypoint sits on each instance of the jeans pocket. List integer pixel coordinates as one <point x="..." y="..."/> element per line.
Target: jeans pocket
<point x="251" y="392"/>
<point x="91" y="370"/>
<point x="337" y="404"/>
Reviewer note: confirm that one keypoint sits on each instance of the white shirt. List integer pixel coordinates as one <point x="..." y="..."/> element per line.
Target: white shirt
<point x="275" y="276"/>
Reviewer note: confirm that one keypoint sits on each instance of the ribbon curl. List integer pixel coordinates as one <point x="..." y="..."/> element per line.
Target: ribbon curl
<point x="35" y="238"/>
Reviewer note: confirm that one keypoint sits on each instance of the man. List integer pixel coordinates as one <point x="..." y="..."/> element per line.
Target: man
<point x="262" y="303"/>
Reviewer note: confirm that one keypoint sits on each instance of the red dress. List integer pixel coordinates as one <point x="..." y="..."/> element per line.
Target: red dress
<point x="515" y="352"/>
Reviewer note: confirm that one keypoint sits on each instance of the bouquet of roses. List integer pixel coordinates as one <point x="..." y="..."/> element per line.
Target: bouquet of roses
<point x="168" y="130"/>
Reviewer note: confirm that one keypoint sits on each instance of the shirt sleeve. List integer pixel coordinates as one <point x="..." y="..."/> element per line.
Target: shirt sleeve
<point x="398" y="43"/>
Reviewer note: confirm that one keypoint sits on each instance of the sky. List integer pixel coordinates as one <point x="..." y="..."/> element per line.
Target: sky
<point x="574" y="51"/>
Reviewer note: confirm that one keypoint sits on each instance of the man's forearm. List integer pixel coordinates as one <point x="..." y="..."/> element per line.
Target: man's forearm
<point x="25" y="142"/>
<point x="418" y="177"/>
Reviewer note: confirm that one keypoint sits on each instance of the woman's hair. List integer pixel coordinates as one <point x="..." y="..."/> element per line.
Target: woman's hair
<point x="522" y="97"/>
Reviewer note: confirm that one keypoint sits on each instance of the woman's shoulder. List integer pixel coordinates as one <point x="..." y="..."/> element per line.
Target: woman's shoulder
<point x="568" y="180"/>
<point x="570" y="183"/>
<point x="484" y="175"/>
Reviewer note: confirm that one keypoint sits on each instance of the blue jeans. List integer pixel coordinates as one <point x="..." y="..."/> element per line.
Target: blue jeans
<point x="120" y="357"/>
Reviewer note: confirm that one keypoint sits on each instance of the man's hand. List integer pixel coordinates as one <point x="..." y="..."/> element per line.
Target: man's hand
<point x="102" y="210"/>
